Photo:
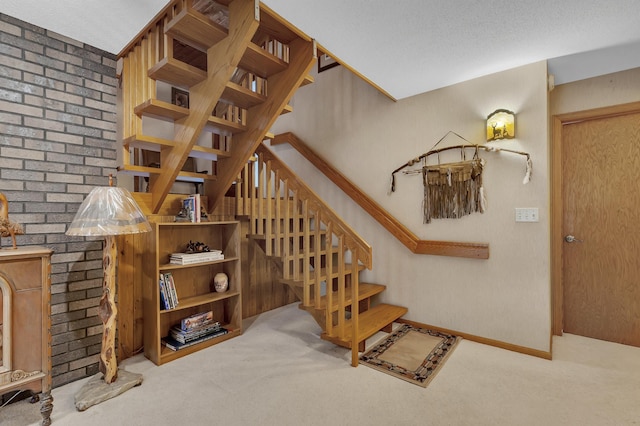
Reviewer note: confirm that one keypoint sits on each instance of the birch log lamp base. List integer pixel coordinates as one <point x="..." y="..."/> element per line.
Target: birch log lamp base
<point x="108" y="211"/>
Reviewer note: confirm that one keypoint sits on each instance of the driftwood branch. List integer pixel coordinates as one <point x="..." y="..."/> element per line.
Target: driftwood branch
<point x="462" y="148"/>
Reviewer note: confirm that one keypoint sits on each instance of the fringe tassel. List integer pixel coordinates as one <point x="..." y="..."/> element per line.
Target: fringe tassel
<point x="452" y="191"/>
<point x="527" y="175"/>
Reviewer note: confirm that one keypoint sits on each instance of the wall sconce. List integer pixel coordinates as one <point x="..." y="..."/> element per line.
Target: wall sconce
<point x="501" y="124"/>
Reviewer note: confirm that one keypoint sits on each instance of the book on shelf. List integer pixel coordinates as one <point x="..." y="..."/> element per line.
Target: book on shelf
<point x="168" y="287"/>
<point x="164" y="302"/>
<point x="196" y="258"/>
<point x="196" y="320"/>
<point x="189" y="207"/>
<point x="192" y="205"/>
<point x="187" y="336"/>
<point x="175" y="345"/>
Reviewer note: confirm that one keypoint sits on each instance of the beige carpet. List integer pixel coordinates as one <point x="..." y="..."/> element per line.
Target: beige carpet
<point x="280" y="373"/>
<point x="412" y="354"/>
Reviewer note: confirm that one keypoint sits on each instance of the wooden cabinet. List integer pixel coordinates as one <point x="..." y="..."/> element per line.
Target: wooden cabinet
<point x="25" y="323"/>
<point x="193" y="282"/>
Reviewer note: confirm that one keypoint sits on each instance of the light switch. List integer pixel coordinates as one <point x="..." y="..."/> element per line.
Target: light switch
<point x="526" y="214"/>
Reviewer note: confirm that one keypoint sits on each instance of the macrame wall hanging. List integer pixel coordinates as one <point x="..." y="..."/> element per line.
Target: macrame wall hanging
<point x="454" y="190"/>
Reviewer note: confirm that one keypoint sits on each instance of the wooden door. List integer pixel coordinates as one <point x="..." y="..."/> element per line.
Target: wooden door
<point x="600" y="175"/>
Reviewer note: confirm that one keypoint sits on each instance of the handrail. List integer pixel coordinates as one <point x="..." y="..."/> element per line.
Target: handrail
<point x="391" y="224"/>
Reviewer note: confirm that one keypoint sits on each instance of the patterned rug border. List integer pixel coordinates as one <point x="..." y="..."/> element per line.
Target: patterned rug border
<point x="428" y="368"/>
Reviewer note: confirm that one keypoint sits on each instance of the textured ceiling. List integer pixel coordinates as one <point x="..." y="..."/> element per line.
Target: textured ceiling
<point x="405" y="47"/>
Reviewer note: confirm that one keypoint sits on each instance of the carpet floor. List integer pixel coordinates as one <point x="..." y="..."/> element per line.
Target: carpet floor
<point x="279" y="372"/>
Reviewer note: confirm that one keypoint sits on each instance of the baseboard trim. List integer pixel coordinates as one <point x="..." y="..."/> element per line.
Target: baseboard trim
<point x="485" y="341"/>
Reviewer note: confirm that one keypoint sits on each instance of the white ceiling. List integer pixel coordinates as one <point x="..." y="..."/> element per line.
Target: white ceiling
<point x="404" y="46"/>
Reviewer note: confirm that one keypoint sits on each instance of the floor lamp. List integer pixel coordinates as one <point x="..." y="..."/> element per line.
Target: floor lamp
<point x="108" y="212"/>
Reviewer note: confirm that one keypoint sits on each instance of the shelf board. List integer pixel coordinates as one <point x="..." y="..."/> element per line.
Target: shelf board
<point x="195" y="29"/>
<point x="167" y="354"/>
<point x="190" y="302"/>
<point x="177" y="73"/>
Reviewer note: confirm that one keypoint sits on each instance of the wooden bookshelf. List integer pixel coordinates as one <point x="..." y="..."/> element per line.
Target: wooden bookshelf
<point x="193" y="282"/>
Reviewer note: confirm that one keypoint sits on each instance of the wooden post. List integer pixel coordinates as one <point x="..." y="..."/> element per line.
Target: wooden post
<point x="107" y="311"/>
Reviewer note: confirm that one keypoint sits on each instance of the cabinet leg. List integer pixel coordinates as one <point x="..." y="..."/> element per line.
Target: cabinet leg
<point x="46" y="406"/>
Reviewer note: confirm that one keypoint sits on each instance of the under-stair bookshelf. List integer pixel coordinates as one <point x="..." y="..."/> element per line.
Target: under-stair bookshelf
<point x="193" y="282"/>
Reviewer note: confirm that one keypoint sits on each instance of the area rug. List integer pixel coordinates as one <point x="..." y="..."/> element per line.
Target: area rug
<point x="412" y="354"/>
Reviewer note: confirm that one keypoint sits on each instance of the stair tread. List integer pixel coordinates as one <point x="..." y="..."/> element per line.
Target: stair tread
<point x="365" y="290"/>
<point x="195" y="29"/>
<point x="369" y="323"/>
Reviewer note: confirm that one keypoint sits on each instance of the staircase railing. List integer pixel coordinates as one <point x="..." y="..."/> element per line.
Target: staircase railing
<point x="320" y="251"/>
<point x="398" y="230"/>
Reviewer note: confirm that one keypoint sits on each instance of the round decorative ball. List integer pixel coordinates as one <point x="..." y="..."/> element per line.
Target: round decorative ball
<point x="221" y="282"/>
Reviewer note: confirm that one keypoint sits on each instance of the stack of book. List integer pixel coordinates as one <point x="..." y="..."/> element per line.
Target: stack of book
<point x="168" y="293"/>
<point x="192" y="330"/>
<point x="189" y="258"/>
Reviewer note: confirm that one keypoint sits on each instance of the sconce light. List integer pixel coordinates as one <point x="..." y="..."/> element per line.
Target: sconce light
<point x="501" y="124"/>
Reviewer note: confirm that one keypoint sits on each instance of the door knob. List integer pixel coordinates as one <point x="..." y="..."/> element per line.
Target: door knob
<point x="572" y="239"/>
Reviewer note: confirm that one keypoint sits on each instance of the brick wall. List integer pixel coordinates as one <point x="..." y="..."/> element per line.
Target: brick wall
<point x="58" y="141"/>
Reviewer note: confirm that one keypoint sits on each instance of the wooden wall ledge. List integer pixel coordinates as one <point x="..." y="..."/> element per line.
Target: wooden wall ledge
<point x="404" y="235"/>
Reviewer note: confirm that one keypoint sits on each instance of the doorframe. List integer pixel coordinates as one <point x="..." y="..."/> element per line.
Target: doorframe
<point x="557" y="207"/>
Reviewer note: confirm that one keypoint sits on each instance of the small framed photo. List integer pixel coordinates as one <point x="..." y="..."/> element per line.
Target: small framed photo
<point x="325" y="62"/>
<point x="180" y="97"/>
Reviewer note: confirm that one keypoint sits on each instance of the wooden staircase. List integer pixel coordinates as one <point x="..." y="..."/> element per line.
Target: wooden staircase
<point x="319" y="254"/>
<point x="240" y="65"/>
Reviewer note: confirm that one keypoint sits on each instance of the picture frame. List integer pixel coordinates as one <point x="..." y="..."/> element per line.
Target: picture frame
<point x="326" y="62"/>
<point x="179" y="97"/>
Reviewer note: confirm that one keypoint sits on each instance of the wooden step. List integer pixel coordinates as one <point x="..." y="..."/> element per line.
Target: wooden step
<point x="151" y="143"/>
<point x="161" y="109"/>
<point x="260" y="62"/>
<point x="177" y="73"/>
<point x="183" y="176"/>
<point x="237" y="95"/>
<point x="365" y="291"/>
<point x="195" y="29"/>
<point x="369" y="323"/>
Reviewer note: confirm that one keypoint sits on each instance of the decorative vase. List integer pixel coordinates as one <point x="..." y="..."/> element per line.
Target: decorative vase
<point x="221" y="282"/>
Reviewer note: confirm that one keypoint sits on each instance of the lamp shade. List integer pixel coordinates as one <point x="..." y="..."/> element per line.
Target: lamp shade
<point x="108" y="210"/>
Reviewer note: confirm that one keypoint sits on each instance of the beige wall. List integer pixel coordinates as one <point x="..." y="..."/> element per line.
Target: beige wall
<point x="611" y="89"/>
<point x="366" y="135"/>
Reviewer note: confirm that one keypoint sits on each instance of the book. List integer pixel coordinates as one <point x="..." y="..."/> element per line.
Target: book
<point x="186" y="336"/>
<point x="189" y="206"/>
<point x="197" y="254"/>
<point x="171" y="289"/>
<point x="173" y="344"/>
<point x="197" y="320"/>
<point x="164" y="304"/>
<point x="197" y="216"/>
<point x="197" y="259"/>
